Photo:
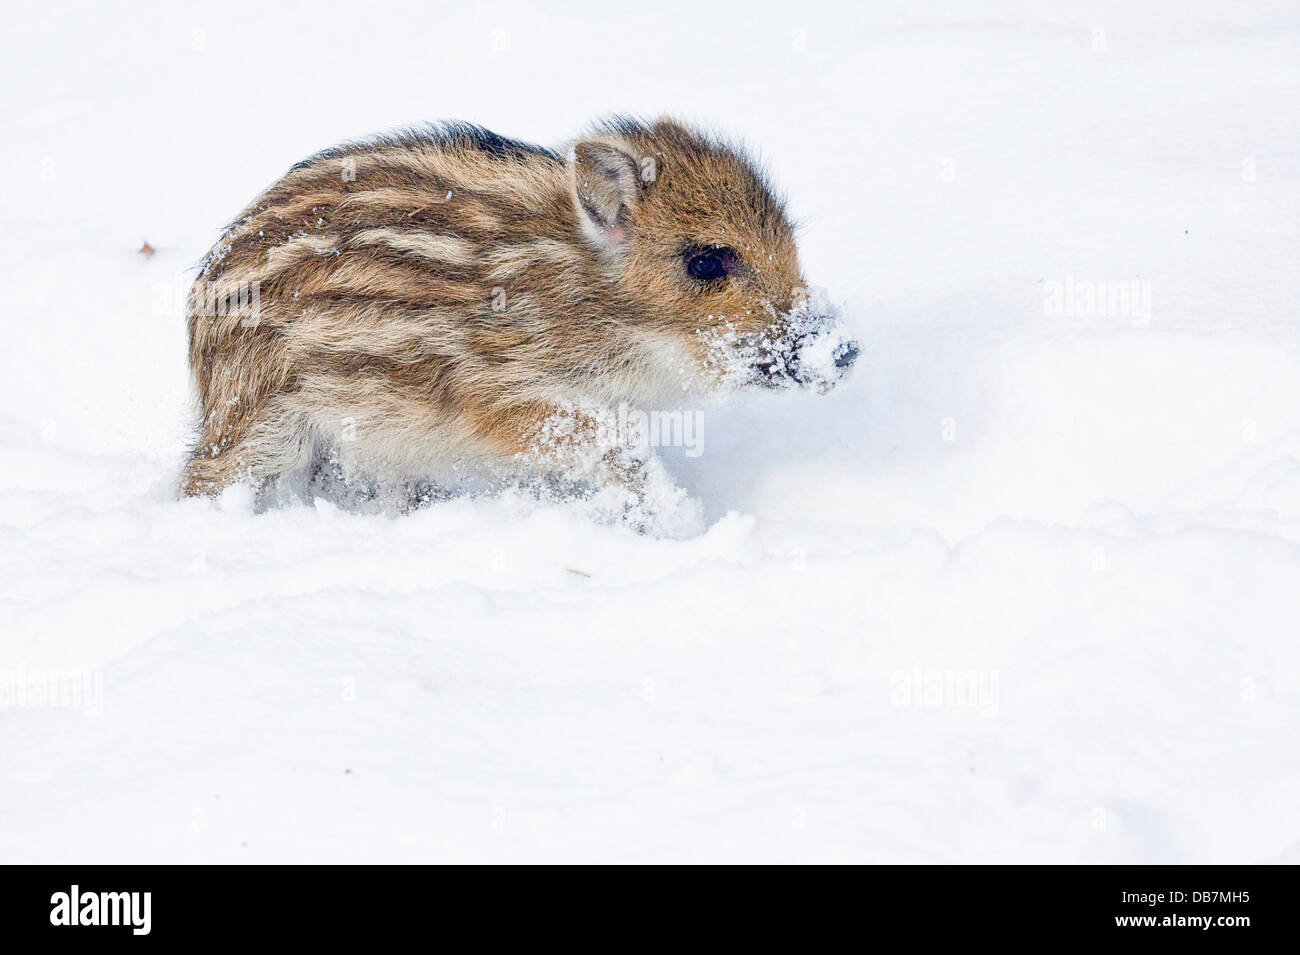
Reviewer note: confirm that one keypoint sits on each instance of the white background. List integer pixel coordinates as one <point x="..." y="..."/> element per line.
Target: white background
<point x="1097" y="518"/>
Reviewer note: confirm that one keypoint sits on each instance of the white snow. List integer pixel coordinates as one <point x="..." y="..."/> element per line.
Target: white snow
<point x="1025" y="588"/>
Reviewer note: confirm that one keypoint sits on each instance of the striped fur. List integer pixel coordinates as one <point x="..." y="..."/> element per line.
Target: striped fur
<point x="432" y="299"/>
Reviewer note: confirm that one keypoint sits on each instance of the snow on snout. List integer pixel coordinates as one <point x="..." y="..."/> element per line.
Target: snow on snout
<point x="811" y="347"/>
<point x="823" y="348"/>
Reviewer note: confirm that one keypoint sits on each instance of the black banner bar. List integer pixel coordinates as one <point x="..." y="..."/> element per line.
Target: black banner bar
<point x="1179" y="904"/>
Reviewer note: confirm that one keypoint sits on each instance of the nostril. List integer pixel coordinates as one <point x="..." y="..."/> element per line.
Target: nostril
<point x="846" y="355"/>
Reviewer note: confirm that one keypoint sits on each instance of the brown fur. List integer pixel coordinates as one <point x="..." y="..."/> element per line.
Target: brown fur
<point x="434" y="299"/>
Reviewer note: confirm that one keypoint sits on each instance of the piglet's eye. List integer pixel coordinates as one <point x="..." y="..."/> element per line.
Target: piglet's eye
<point x="710" y="265"/>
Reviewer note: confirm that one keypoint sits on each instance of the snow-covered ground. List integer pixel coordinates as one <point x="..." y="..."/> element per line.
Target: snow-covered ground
<point x="1027" y="588"/>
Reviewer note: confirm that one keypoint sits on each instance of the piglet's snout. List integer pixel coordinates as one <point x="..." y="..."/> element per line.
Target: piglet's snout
<point x="821" y="353"/>
<point x="846" y="356"/>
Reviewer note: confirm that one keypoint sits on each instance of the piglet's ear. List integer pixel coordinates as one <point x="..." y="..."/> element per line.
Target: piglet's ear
<point x="607" y="187"/>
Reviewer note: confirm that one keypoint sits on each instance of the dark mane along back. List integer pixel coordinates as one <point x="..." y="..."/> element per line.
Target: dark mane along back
<point x="452" y="133"/>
